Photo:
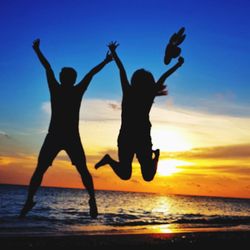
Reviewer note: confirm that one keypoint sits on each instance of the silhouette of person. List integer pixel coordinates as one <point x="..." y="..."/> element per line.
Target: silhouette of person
<point x="63" y="130"/>
<point x="134" y="136"/>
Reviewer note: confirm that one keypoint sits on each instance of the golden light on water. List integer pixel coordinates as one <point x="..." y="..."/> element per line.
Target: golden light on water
<point x="171" y="166"/>
<point x="163" y="206"/>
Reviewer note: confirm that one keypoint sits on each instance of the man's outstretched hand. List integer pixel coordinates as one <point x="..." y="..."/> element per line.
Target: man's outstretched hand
<point x="112" y="46"/>
<point x="36" y="44"/>
<point x="108" y="57"/>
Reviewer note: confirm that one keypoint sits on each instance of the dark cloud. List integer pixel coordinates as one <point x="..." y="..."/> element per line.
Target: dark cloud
<point x="4" y="135"/>
<point x="63" y="157"/>
<point x="115" y="106"/>
<point x="135" y="181"/>
<point x="99" y="154"/>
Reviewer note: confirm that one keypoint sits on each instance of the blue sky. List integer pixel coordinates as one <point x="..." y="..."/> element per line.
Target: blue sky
<point x="75" y="33"/>
<point x="207" y="112"/>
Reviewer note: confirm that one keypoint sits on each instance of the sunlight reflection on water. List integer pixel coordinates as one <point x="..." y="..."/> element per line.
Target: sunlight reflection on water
<point x="66" y="210"/>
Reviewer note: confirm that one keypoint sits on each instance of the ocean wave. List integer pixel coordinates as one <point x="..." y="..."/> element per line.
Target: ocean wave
<point x="114" y="219"/>
<point x="64" y="209"/>
<point x="186" y="219"/>
<point x="215" y="219"/>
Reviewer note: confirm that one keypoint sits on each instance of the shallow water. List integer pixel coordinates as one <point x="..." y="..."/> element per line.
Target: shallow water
<point x="60" y="210"/>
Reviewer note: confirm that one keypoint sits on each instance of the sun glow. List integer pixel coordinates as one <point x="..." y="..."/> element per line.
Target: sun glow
<point x="170" y="140"/>
<point x="170" y="167"/>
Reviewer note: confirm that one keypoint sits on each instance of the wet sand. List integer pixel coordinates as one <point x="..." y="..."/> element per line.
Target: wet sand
<point x="192" y="240"/>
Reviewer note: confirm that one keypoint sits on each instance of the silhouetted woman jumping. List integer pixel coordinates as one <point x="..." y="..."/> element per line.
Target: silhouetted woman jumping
<point x="134" y="136"/>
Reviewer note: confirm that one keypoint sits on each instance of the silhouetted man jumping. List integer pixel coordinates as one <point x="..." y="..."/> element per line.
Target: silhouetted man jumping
<point x="63" y="130"/>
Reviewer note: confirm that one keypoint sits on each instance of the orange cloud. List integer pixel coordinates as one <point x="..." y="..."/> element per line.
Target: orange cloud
<point x="239" y="151"/>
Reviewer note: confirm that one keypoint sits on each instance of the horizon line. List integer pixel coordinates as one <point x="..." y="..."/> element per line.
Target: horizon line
<point x="129" y="191"/>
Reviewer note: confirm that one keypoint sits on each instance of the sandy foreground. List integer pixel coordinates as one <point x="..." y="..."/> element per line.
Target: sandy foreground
<point x="189" y="240"/>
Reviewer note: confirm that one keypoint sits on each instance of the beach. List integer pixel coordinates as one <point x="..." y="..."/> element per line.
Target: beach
<point x="197" y="240"/>
<point x="60" y="220"/>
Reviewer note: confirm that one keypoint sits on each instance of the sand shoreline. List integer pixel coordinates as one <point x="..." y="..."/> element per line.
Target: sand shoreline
<point x="188" y="240"/>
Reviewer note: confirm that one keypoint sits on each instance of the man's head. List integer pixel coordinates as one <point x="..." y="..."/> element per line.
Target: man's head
<point x="68" y="76"/>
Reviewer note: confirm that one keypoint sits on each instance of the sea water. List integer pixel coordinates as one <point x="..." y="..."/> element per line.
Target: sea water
<point x="66" y="211"/>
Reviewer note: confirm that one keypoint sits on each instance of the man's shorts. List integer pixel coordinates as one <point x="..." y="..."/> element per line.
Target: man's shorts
<point x="54" y="143"/>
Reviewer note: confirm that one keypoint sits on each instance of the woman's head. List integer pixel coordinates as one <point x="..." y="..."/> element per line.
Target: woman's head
<point x="142" y="80"/>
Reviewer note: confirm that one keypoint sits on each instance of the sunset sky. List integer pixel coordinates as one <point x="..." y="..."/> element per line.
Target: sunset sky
<point x="201" y="127"/>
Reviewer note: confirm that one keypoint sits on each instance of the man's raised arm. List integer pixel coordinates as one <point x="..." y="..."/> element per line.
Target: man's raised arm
<point x="52" y="82"/>
<point x="43" y="60"/>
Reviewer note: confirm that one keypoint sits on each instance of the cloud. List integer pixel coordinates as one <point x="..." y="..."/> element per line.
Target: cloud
<point x="220" y="103"/>
<point x="201" y="128"/>
<point x="99" y="110"/>
<point x="8" y="160"/>
<point x="224" y="103"/>
<point x="199" y="170"/>
<point x="101" y="118"/>
<point x="237" y="152"/>
<point x="231" y="162"/>
<point x="180" y="115"/>
<point x="46" y="108"/>
<point x="115" y="106"/>
<point x="4" y="135"/>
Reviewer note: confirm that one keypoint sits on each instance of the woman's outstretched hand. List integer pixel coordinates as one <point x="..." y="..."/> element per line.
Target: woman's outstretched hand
<point x="108" y="57"/>
<point x="180" y="60"/>
<point x="112" y="46"/>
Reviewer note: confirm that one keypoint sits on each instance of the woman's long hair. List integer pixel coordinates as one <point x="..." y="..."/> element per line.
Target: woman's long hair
<point x="142" y="82"/>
